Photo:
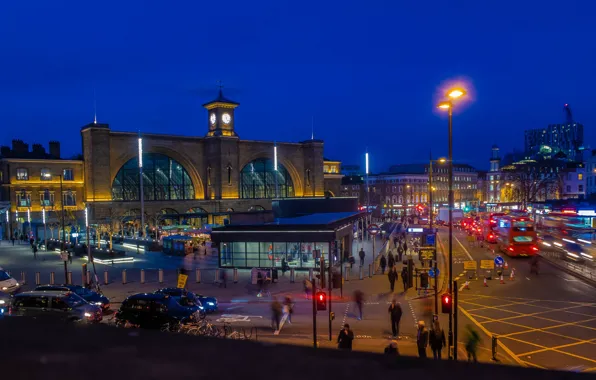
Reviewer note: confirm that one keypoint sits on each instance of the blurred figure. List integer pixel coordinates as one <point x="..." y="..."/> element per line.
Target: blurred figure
<point x="404" y="278"/>
<point x="472" y="341"/>
<point x="288" y="309"/>
<point x="361" y="254"/>
<point x="383" y="263"/>
<point x="391" y="349"/>
<point x="359" y="301"/>
<point x="421" y="340"/>
<point x="437" y="340"/>
<point x="392" y="275"/>
<point x="390" y="260"/>
<point x="307" y="288"/>
<point x="345" y="338"/>
<point x="276" y="311"/>
<point x="395" y="314"/>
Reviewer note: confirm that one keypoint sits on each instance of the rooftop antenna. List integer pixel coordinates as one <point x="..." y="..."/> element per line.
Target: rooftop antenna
<point x="312" y="129"/>
<point x="219" y="85"/>
<point x="94" y="107"/>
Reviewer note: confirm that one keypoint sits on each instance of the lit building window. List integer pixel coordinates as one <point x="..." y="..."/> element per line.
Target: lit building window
<point x="22" y="174"/>
<point x="46" y="198"/>
<point x="46" y="174"/>
<point x="257" y="180"/>
<point x="67" y="175"/>
<point x="69" y="198"/>
<point x="23" y="199"/>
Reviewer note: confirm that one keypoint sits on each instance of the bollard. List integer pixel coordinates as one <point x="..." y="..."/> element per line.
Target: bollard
<point x="88" y="277"/>
<point x="106" y="279"/>
<point x="292" y="275"/>
<point x="160" y="275"/>
<point x="142" y="276"/>
<point x="37" y="280"/>
<point x="310" y="274"/>
<point x="69" y="278"/>
<point x="83" y="277"/>
<point x="370" y="270"/>
<point x="23" y="278"/>
<point x="361" y="270"/>
<point x="124" y="276"/>
<point x="52" y="278"/>
<point x="235" y="275"/>
<point x="216" y="278"/>
<point x="347" y="273"/>
<point x="198" y="275"/>
<point x="494" y="348"/>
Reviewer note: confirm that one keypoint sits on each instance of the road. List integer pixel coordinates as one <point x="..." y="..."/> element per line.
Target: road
<point x="546" y="320"/>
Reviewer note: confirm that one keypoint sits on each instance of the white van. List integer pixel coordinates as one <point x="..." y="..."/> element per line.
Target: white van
<point x="443" y="216"/>
<point x="7" y="283"/>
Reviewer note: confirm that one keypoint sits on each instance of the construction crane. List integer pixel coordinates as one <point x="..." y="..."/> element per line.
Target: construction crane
<point x="568" y="114"/>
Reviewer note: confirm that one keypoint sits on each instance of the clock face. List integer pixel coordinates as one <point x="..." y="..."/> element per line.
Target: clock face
<point x="226" y="118"/>
<point x="213" y="118"/>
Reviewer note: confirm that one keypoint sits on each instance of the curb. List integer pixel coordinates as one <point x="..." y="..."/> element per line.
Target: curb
<point x="569" y="271"/>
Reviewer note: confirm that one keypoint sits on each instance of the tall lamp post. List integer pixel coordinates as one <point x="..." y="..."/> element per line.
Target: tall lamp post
<point x="448" y="105"/>
<point x="63" y="244"/>
<point x="430" y="219"/>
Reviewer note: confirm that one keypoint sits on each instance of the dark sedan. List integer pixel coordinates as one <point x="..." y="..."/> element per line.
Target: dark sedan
<point x="152" y="311"/>
<point x="185" y="299"/>
<point x="90" y="296"/>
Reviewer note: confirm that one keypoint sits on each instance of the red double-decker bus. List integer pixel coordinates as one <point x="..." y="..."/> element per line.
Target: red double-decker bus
<point x="516" y="236"/>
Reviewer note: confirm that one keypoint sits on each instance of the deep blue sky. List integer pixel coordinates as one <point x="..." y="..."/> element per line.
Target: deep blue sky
<point x="368" y="71"/>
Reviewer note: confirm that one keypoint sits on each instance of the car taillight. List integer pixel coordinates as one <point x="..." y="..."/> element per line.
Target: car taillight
<point x="534" y="248"/>
<point x="511" y="249"/>
<point x="490" y="236"/>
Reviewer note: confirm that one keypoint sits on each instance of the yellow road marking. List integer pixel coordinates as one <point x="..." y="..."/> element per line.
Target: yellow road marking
<point x="535" y="365"/>
<point x="509" y="304"/>
<point x="536" y="316"/>
<point x="550" y="327"/>
<point x="488" y="333"/>
<point x="555" y="348"/>
<point x="589" y="304"/>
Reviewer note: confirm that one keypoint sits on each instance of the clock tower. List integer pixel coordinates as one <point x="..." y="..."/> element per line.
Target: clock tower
<point x="221" y="116"/>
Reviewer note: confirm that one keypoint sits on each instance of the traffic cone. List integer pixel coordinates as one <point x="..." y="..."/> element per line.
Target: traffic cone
<point x="485" y="284"/>
<point x="502" y="282"/>
<point x="512" y="274"/>
<point x="467" y="285"/>
<point x="505" y="265"/>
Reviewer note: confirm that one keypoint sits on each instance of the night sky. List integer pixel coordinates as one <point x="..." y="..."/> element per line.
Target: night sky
<point x="369" y="72"/>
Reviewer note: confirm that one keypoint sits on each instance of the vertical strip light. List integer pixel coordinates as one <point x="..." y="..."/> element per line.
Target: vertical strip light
<point x="366" y="162"/>
<point x="29" y="217"/>
<point x="43" y="215"/>
<point x="140" y="152"/>
<point x="86" y="218"/>
<point x="275" y="157"/>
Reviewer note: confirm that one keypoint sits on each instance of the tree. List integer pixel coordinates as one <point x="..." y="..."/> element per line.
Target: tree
<point x="530" y="181"/>
<point x="109" y="225"/>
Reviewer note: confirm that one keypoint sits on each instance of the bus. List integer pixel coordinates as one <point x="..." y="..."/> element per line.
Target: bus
<point x="516" y="236"/>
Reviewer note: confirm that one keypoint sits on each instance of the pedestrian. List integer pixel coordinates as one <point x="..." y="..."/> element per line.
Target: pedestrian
<point x="288" y="309"/>
<point x="362" y="255"/>
<point x="34" y="248"/>
<point x="405" y="247"/>
<point x="307" y="288"/>
<point x="276" y="311"/>
<point x="390" y="260"/>
<point x="423" y="283"/>
<point x="395" y="241"/>
<point x="421" y="340"/>
<point x="392" y="276"/>
<point x="345" y="338"/>
<point x="359" y="300"/>
<point x="404" y="278"/>
<point x="12" y="238"/>
<point x="224" y="278"/>
<point x="400" y="252"/>
<point x="391" y="349"/>
<point x="395" y="314"/>
<point x="352" y="261"/>
<point x="69" y="257"/>
<point x="383" y="263"/>
<point x="472" y="341"/>
<point x="436" y="340"/>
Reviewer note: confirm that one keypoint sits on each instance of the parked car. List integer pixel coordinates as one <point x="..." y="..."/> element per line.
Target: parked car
<point x="88" y="295"/>
<point x="5" y="300"/>
<point x="60" y="304"/>
<point x="7" y="283"/>
<point x="209" y="303"/>
<point x="153" y="311"/>
<point x="185" y="299"/>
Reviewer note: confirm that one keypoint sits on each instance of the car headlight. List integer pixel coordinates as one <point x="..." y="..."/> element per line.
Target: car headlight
<point x="2" y="302"/>
<point x="17" y="284"/>
<point x="98" y="303"/>
<point x="4" y="288"/>
<point x="201" y="307"/>
<point x="88" y="315"/>
<point x="210" y="304"/>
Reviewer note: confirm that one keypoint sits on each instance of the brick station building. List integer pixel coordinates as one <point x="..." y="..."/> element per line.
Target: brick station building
<point x="197" y="177"/>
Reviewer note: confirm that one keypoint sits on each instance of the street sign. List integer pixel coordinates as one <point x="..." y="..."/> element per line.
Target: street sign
<point x="427" y="255"/>
<point x="470" y="265"/>
<point x="487" y="264"/>
<point x="415" y="229"/>
<point x="499" y="261"/>
<point x="373" y="229"/>
<point x="431" y="272"/>
<point x="182" y="281"/>
<point x="430" y="239"/>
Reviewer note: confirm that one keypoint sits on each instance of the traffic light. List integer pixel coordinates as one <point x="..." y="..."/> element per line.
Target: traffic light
<point x="321" y="298"/>
<point x="446" y="303"/>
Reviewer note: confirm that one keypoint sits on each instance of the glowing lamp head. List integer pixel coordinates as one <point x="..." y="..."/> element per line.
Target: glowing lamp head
<point x="444" y="105"/>
<point x="456" y="93"/>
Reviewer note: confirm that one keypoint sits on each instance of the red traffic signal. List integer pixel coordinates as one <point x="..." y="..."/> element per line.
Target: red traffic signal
<point x="321" y="299"/>
<point x="446" y="303"/>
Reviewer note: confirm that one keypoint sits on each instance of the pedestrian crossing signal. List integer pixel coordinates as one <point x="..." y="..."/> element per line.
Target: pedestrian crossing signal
<point x="446" y="304"/>
<point x="321" y="298"/>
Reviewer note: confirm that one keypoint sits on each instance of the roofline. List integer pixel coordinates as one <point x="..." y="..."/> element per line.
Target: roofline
<point x="52" y="160"/>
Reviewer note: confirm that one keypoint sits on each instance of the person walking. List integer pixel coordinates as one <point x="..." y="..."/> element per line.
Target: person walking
<point x="359" y="301"/>
<point x="436" y="340"/>
<point x="405" y="247"/>
<point x="400" y="252"/>
<point x="421" y="340"/>
<point x="345" y="338"/>
<point x="390" y="260"/>
<point x="288" y="309"/>
<point x="395" y="314"/>
<point x="276" y="311"/>
<point x="472" y="341"/>
<point x="383" y="263"/>
<point x="404" y="278"/>
<point x="307" y="288"/>
<point x="362" y="255"/>
<point x="12" y="238"/>
<point x="392" y="276"/>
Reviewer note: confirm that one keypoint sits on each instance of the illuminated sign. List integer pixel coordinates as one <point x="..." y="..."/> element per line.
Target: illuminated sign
<point x="586" y="212"/>
<point x="415" y="229"/>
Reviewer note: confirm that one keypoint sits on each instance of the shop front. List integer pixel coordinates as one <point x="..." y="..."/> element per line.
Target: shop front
<point x="298" y="243"/>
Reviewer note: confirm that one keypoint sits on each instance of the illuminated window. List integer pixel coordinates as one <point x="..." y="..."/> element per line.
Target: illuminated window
<point x="258" y="180"/>
<point x="580" y="177"/>
<point x="163" y="179"/>
<point x="23" y="199"/>
<point x="46" y="198"/>
<point x="46" y="174"/>
<point x="22" y="174"/>
<point x="67" y="175"/>
<point x="69" y="198"/>
<point x="229" y="175"/>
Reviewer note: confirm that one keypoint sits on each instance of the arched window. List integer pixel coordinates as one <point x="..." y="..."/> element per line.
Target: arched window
<point x="163" y="179"/>
<point x="257" y="180"/>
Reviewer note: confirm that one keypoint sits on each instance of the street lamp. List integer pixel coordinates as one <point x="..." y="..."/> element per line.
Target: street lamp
<point x="452" y="94"/>
<point x="430" y="218"/>
<point x="63" y="245"/>
<point x="411" y="193"/>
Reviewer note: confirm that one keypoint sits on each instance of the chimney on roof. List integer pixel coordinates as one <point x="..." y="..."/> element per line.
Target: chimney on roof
<point x="55" y="149"/>
<point x="19" y="148"/>
<point x="38" y="151"/>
